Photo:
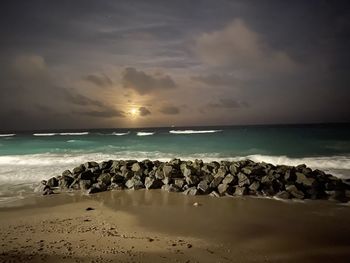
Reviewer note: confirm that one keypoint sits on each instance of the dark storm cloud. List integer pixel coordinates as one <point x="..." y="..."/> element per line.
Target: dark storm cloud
<point x="144" y="83"/>
<point x="169" y="110"/>
<point x="143" y="111"/>
<point x="99" y="80"/>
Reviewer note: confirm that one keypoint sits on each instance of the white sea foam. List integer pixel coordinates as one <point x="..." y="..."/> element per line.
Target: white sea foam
<point x="193" y="131"/>
<point x="44" y="134"/>
<point x="73" y="133"/>
<point x="35" y="167"/>
<point x="145" y="133"/>
<point x="328" y="162"/>
<point x="7" y="135"/>
<point x="120" y="133"/>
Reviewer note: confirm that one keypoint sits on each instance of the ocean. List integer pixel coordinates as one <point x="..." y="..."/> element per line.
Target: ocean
<point x="28" y="157"/>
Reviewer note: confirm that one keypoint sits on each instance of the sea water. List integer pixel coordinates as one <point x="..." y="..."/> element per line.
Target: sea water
<point x="28" y="157"/>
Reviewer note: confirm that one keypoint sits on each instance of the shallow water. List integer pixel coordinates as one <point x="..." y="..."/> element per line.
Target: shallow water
<point x="27" y="158"/>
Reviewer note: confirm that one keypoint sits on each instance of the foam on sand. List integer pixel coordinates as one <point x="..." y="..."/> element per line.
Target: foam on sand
<point x="193" y="131"/>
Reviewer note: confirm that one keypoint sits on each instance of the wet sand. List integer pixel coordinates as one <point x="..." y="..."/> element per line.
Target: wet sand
<point x="156" y="226"/>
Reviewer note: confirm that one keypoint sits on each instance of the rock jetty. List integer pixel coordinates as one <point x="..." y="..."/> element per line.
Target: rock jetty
<point x="224" y="178"/>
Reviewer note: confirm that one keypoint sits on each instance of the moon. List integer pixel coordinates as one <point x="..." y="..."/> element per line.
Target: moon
<point x="134" y="112"/>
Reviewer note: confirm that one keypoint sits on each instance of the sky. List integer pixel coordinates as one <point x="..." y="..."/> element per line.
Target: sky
<point x="110" y="64"/>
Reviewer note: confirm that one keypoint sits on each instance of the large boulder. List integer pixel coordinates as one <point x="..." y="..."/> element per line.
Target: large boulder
<point x="134" y="183"/>
<point x="243" y="180"/>
<point x="84" y="184"/>
<point x="153" y="183"/>
<point x="303" y="180"/>
<point x="105" y="178"/>
<point x="65" y="182"/>
<point x="203" y="187"/>
<point x="77" y="170"/>
<point x="294" y="192"/>
<point x="52" y="182"/>
<point x="191" y="191"/>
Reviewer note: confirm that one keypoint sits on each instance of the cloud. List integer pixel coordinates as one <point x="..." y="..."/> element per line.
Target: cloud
<point x="218" y="79"/>
<point x="143" y="111"/>
<point x="79" y="99"/>
<point x="99" y="80"/>
<point x="144" y="83"/>
<point x="169" y="110"/>
<point x="238" y="47"/>
<point x="106" y="112"/>
<point x="229" y="103"/>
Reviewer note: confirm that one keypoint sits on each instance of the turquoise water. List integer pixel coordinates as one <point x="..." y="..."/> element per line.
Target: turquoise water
<point x="28" y="157"/>
<point x="292" y="141"/>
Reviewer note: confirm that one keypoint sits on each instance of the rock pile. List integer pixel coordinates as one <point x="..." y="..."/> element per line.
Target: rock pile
<point x="223" y="178"/>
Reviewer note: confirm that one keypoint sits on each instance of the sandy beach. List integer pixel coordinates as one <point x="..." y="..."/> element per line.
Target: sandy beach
<point x="156" y="226"/>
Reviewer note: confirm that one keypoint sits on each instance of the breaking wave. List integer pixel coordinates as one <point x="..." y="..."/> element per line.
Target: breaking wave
<point x="120" y="133"/>
<point x="44" y="134"/>
<point x="193" y="131"/>
<point x="73" y="133"/>
<point x="35" y="167"/>
<point x="145" y="133"/>
<point x="7" y="135"/>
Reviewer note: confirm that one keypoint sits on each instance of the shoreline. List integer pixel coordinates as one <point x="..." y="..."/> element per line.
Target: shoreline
<point x="224" y="178"/>
<point x="157" y="226"/>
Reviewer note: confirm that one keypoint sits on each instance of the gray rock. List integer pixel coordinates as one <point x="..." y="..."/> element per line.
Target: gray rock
<point x="89" y="165"/>
<point x="222" y="188"/>
<point x="191" y="191"/>
<point x="246" y="170"/>
<point x="117" y="179"/>
<point x="84" y="184"/>
<point x="283" y="195"/>
<point x="136" y="167"/>
<point x="180" y="182"/>
<point x="96" y="188"/>
<point x="52" y="182"/>
<point x="240" y="191"/>
<point x="159" y="174"/>
<point x="233" y="169"/>
<point x="203" y="187"/>
<point x="192" y="180"/>
<point x="305" y="181"/>
<point x="168" y="171"/>
<point x="65" y="182"/>
<point x="171" y="188"/>
<point x="254" y="186"/>
<point x="77" y="170"/>
<point x="187" y="170"/>
<point x="214" y="194"/>
<point x="153" y="183"/>
<point x="86" y="175"/>
<point x="105" y="178"/>
<point x="67" y="172"/>
<point x="243" y="180"/>
<point x="134" y="183"/>
<point x="218" y="178"/>
<point x="228" y="179"/>
<point x="293" y="190"/>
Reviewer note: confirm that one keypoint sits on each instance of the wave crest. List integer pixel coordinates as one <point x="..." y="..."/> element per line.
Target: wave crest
<point x="193" y="131"/>
<point x="73" y="133"/>
<point x="145" y="133"/>
<point x="7" y="135"/>
<point x="44" y="134"/>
